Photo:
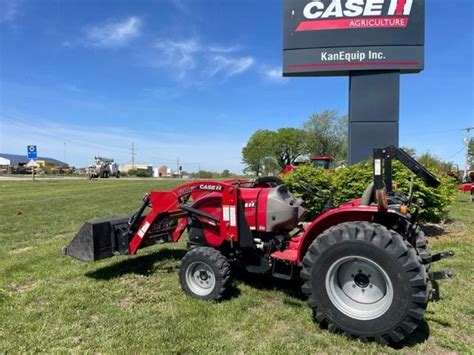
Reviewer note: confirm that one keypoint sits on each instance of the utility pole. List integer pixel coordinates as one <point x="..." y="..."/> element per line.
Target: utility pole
<point x="177" y="168"/>
<point x="133" y="156"/>
<point x="467" y="139"/>
<point x="64" y="156"/>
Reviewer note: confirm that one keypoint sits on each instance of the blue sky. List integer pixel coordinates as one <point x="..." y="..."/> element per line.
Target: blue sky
<point x="194" y="79"/>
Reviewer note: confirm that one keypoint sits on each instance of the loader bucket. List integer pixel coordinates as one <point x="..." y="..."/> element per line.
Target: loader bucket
<point x="99" y="239"/>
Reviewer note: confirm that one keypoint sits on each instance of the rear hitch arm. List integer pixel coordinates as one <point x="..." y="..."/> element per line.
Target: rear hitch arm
<point x="440" y="275"/>
<point x="437" y="257"/>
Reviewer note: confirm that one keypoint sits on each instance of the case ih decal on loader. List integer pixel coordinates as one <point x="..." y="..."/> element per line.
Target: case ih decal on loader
<point x="364" y="264"/>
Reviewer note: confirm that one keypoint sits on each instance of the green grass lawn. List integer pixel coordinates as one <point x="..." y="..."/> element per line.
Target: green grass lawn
<point x="52" y="303"/>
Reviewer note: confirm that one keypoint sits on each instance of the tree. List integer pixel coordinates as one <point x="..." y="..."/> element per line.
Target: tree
<point x="265" y="148"/>
<point x="258" y="147"/>
<point x="226" y="173"/>
<point x="204" y="174"/>
<point x="288" y="145"/>
<point x="327" y="134"/>
<point x="433" y="162"/>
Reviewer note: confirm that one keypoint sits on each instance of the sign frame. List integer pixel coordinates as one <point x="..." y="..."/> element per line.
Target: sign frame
<point x="328" y="40"/>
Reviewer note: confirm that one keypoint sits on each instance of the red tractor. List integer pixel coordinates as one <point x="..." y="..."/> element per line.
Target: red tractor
<point x="364" y="265"/>
<point x="317" y="161"/>
<point x="468" y="185"/>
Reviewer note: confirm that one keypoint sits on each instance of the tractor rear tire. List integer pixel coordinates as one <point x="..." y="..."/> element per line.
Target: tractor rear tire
<point x="366" y="282"/>
<point x="205" y="274"/>
<point x="422" y="247"/>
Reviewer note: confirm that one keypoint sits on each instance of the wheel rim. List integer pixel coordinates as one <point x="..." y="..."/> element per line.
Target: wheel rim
<point x="359" y="287"/>
<point x="200" y="278"/>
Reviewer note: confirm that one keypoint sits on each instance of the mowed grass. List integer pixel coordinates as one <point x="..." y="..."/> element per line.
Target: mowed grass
<point x="52" y="303"/>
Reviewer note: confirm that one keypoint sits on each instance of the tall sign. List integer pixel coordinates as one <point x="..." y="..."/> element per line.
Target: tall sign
<point x="32" y="153"/>
<point x="372" y="42"/>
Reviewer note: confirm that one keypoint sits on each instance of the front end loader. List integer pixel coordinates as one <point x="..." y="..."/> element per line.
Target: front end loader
<point x="364" y="265"/>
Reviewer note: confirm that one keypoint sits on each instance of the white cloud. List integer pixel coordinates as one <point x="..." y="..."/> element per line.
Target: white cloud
<point x="193" y="58"/>
<point x="110" y="34"/>
<point x="180" y="5"/>
<point x="9" y="10"/>
<point x="274" y="74"/>
<point x="178" y="55"/>
<point x="219" y="49"/>
<point x="114" y="34"/>
<point x="230" y="66"/>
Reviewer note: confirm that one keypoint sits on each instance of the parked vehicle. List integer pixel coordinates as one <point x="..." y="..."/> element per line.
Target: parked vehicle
<point x="103" y="168"/>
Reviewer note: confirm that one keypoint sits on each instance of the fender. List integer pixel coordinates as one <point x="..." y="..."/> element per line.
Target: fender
<point x="350" y="211"/>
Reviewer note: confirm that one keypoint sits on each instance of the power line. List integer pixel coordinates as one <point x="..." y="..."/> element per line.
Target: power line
<point x="455" y="154"/>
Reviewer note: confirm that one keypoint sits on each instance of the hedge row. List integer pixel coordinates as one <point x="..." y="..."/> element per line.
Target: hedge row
<point x="348" y="183"/>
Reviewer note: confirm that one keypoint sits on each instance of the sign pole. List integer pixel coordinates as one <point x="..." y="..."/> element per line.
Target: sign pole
<point x="374" y="106"/>
<point x="32" y="154"/>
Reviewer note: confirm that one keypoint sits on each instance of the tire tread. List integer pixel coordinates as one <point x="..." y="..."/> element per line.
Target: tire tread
<point x="378" y="235"/>
<point x="223" y="269"/>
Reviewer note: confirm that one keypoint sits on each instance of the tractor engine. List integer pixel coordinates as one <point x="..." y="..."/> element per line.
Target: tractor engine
<point x="271" y="210"/>
<point x="270" y="214"/>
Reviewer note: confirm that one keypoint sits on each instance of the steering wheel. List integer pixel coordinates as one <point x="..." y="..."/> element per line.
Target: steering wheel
<point x="270" y="181"/>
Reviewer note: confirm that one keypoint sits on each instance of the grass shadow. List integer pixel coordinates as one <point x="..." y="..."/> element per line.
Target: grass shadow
<point x="141" y="265"/>
<point x="291" y="287"/>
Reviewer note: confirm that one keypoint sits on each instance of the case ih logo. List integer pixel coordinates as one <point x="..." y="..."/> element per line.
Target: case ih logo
<point x="209" y="187"/>
<point x="355" y="14"/>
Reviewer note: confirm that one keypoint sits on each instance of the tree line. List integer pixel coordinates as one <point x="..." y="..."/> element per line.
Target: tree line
<point x="324" y="133"/>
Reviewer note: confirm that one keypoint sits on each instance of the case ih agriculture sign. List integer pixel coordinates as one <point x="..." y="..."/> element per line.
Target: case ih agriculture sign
<point x="334" y="37"/>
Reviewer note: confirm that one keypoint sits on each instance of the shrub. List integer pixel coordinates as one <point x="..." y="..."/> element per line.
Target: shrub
<point x="437" y="200"/>
<point x="350" y="182"/>
<point x="144" y="173"/>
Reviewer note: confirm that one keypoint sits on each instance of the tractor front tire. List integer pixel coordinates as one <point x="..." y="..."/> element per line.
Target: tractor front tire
<point x="366" y="282"/>
<point x="205" y="274"/>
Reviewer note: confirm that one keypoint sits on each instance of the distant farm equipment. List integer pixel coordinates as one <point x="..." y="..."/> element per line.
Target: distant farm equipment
<point x="468" y="185"/>
<point x="317" y="161"/>
<point x="103" y="168"/>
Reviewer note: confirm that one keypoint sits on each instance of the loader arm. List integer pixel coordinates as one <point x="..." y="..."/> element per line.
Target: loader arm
<point x="171" y="205"/>
<point x="163" y="217"/>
